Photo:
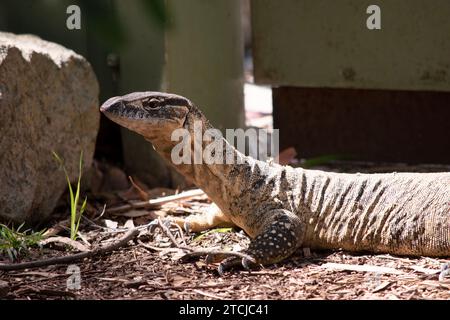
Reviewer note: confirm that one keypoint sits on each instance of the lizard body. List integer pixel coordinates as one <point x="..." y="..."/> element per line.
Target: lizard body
<point x="283" y="208"/>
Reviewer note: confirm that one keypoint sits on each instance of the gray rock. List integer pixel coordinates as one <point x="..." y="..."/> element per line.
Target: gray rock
<point x="48" y="101"/>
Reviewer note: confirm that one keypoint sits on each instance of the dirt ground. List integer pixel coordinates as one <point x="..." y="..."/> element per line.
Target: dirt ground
<point x="149" y="266"/>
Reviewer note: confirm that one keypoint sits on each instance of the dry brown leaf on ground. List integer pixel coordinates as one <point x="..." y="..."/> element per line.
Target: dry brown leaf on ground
<point x="66" y="241"/>
<point x="286" y="156"/>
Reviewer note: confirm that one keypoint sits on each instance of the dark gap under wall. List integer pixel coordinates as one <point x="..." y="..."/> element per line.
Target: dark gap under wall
<point x="369" y="125"/>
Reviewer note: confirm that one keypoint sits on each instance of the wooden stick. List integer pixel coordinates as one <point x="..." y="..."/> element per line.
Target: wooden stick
<point x="360" y="268"/>
<point x="175" y="197"/>
<point x="200" y="252"/>
<point x="74" y="257"/>
<point x="47" y="292"/>
<point x="169" y="234"/>
<point x="142" y="193"/>
<point x="205" y="252"/>
<point x="206" y="294"/>
<point x="211" y="286"/>
<point x="156" y="203"/>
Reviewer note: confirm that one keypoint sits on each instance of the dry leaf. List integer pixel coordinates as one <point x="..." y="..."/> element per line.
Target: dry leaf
<point x="111" y="224"/>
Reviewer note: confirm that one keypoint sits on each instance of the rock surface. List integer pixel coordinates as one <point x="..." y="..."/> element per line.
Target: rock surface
<point x="48" y="102"/>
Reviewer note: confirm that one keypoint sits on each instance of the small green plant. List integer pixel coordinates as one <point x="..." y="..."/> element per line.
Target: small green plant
<point x="14" y="241"/>
<point x="75" y="216"/>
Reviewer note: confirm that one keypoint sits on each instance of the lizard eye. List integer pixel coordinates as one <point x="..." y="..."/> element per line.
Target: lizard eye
<point x="152" y="103"/>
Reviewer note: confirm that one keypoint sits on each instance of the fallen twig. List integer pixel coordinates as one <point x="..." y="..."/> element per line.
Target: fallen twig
<point x="55" y="276"/>
<point x="180" y="287"/>
<point x="142" y="194"/>
<point x="137" y="213"/>
<point x="132" y="205"/>
<point x="131" y="234"/>
<point x="382" y="286"/>
<point x="101" y="213"/>
<point x="159" y="249"/>
<point x="426" y="271"/>
<point x="46" y="292"/>
<point x="206" y="252"/>
<point x="180" y="230"/>
<point x="206" y="294"/>
<point x="194" y="252"/>
<point x="387" y="256"/>
<point x="169" y="234"/>
<point x="175" y="197"/>
<point x="360" y="268"/>
<point x="156" y="203"/>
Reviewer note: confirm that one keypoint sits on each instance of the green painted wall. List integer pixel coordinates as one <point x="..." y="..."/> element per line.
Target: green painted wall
<point x="204" y="58"/>
<point x="325" y="43"/>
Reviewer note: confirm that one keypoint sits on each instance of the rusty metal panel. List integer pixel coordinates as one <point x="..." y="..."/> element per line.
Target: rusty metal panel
<point x="326" y="43"/>
<point x="361" y="124"/>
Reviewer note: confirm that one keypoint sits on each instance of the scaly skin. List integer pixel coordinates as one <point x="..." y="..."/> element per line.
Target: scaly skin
<point x="282" y="208"/>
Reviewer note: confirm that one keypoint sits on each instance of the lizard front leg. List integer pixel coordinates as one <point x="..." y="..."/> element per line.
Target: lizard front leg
<point x="282" y="233"/>
<point x="212" y="218"/>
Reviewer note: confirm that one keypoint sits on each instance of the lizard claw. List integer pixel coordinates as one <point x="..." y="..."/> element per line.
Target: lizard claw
<point x="227" y="264"/>
<point x="247" y="264"/>
<point x="221" y="269"/>
<point x="445" y="271"/>
<point x="152" y="226"/>
<point x="167" y="222"/>
<point x="155" y="224"/>
<point x="230" y="262"/>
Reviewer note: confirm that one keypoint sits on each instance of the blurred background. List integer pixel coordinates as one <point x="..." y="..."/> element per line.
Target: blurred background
<point x="335" y="89"/>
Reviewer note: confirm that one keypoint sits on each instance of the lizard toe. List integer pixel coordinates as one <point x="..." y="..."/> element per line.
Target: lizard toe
<point x="247" y="264"/>
<point x="445" y="271"/>
<point x="229" y="263"/>
<point x="152" y="226"/>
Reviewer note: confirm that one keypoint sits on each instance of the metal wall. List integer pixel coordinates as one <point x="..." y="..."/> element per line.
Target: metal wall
<point x="326" y="43"/>
<point x="342" y="89"/>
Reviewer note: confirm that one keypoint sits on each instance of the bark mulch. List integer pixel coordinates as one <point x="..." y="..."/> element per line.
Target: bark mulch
<point x="150" y="266"/>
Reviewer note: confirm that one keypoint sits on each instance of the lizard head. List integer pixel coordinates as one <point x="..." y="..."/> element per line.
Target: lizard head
<point x="148" y="113"/>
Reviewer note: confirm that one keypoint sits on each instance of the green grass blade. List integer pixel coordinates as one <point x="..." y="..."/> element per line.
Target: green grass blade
<point x="13" y="241"/>
<point x="61" y="162"/>
<point x="74" y="228"/>
<point x="83" y="207"/>
<point x="73" y="210"/>
<point x="74" y="196"/>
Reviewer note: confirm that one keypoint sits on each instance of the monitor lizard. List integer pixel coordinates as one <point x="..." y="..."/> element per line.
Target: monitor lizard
<point x="282" y="208"/>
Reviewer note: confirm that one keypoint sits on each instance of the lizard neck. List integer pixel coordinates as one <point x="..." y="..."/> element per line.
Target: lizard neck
<point x="206" y="164"/>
